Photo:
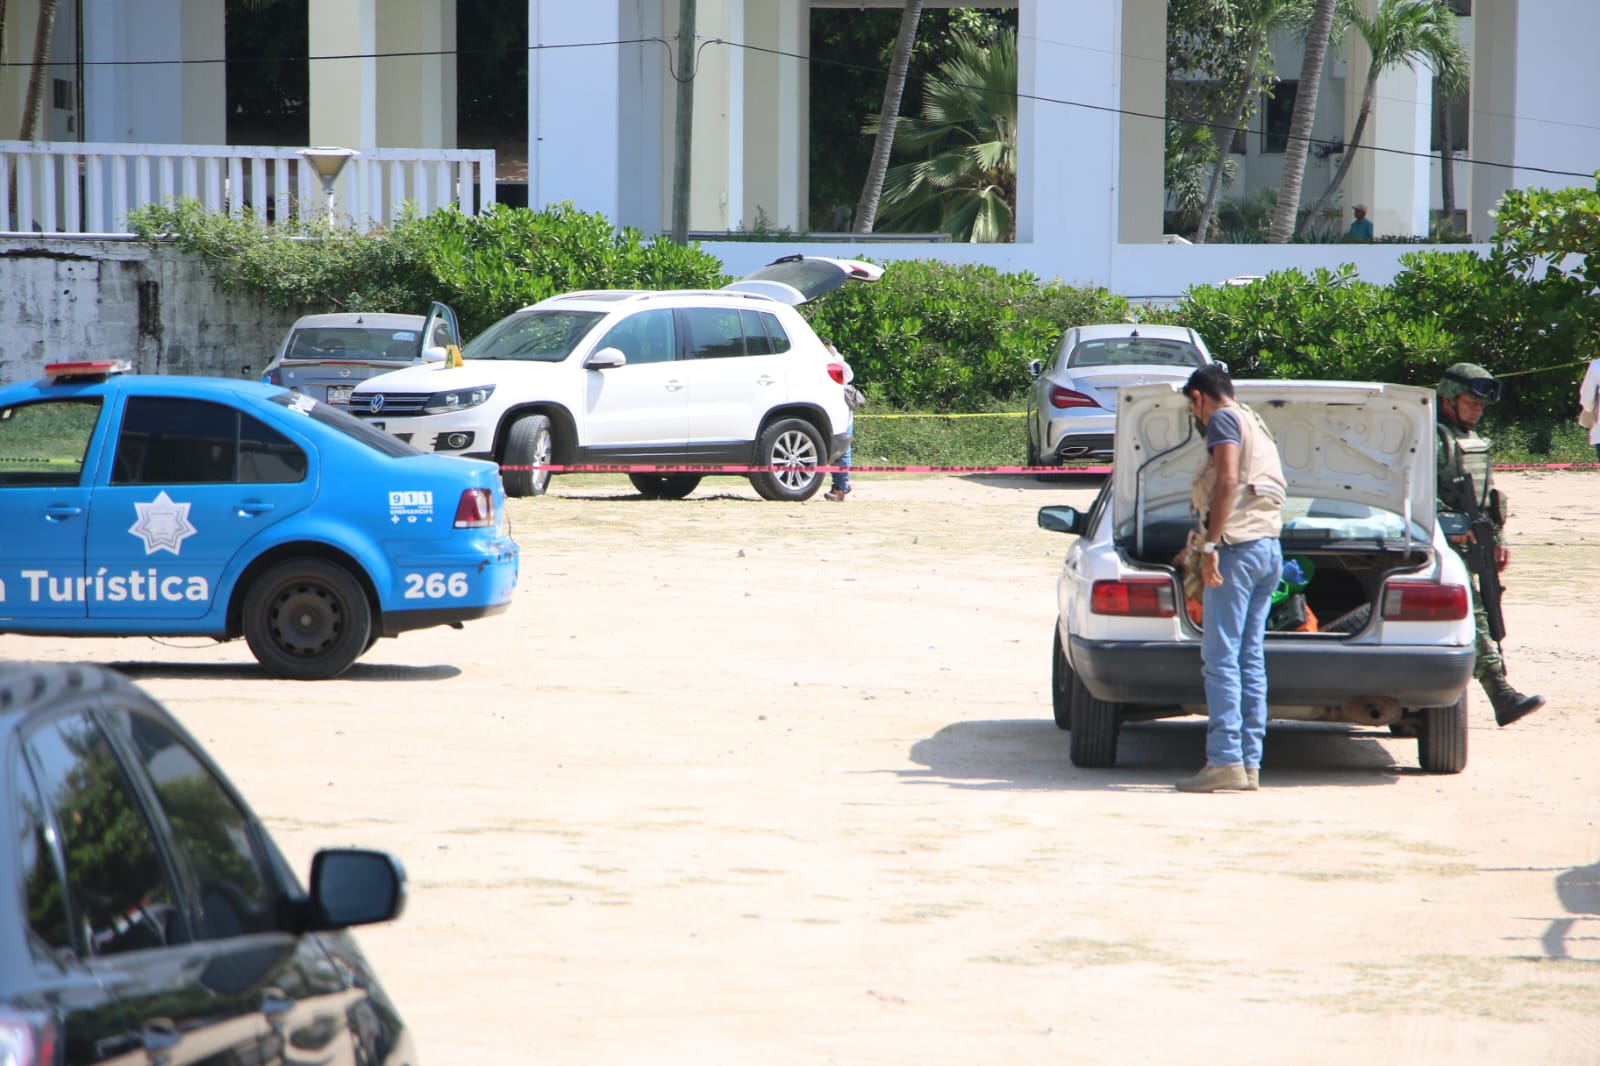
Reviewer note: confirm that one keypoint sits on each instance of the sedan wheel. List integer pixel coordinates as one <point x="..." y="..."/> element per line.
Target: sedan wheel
<point x="307" y="619"/>
<point x="1062" y="684"/>
<point x="1094" y="729"/>
<point x="664" y="486"/>
<point x="793" y="449"/>
<point x="1442" y="738"/>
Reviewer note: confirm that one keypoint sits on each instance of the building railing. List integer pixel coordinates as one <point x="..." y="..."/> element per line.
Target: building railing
<point x="72" y="188"/>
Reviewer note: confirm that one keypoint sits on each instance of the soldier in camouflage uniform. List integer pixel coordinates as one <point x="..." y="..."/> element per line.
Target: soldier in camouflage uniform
<point x="1463" y="393"/>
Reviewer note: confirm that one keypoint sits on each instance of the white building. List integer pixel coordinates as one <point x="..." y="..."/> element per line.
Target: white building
<point x="601" y="98"/>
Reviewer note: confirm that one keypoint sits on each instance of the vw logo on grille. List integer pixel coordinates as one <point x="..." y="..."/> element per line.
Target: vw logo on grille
<point x="376" y="403"/>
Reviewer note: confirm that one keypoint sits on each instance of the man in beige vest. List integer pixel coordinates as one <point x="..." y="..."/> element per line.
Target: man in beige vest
<point x="1238" y="497"/>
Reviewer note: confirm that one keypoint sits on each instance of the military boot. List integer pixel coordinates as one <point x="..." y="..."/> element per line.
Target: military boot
<point x="1509" y="704"/>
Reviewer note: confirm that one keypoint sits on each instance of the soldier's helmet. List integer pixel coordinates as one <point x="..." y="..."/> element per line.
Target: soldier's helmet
<point x="1469" y="379"/>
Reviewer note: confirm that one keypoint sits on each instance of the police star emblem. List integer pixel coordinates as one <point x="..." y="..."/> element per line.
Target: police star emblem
<point x="162" y="525"/>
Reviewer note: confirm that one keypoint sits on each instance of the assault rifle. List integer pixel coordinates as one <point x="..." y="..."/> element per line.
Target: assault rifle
<point x="1479" y="554"/>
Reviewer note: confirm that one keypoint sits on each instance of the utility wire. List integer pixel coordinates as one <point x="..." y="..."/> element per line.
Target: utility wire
<point x="1107" y="109"/>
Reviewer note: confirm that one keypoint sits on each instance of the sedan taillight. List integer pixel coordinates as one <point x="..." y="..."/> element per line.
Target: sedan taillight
<point x="1136" y="597"/>
<point x="27" y="1038"/>
<point x="1060" y="397"/>
<point x="476" y="509"/>
<point x="1424" y="601"/>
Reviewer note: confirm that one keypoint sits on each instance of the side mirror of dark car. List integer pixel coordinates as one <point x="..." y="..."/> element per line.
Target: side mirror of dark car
<point x="351" y="886"/>
<point x="605" y="359"/>
<point x="1035" y="366"/>
<point x="1061" y="519"/>
<point x="1454" y="523"/>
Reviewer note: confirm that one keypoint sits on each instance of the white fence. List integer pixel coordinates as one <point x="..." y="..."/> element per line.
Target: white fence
<point x="62" y="187"/>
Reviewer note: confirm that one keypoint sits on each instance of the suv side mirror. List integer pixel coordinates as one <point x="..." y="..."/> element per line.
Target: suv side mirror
<point x="434" y="354"/>
<point x="351" y="886"/>
<point x="605" y="359"/>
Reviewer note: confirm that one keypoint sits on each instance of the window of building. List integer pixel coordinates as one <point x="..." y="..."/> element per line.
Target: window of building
<point x="1279" y="114"/>
<point x="1460" y="120"/>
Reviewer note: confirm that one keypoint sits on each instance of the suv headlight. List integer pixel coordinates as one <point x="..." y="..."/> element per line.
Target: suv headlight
<point x="456" y="400"/>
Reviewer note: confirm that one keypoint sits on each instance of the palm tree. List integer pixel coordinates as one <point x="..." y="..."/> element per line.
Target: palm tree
<point x="1443" y="97"/>
<point x="1190" y="154"/>
<point x="1318" y="30"/>
<point x="965" y="183"/>
<point x="1257" y="20"/>
<point x="41" y="63"/>
<point x="893" y="89"/>
<point x="1400" y="31"/>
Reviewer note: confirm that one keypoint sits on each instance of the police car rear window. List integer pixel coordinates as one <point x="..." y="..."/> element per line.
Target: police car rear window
<point x="334" y="418"/>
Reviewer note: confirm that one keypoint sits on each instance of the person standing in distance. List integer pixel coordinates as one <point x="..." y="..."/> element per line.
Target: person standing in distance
<point x="1238" y="494"/>
<point x="1361" y="228"/>
<point x="1589" y="402"/>
<point x="1464" y="391"/>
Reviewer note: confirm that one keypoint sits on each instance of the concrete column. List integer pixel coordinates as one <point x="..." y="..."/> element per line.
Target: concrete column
<point x="717" y="147"/>
<point x="344" y="92"/>
<point x="574" y="105"/>
<point x="1068" y="154"/>
<point x="1391" y="168"/>
<point x="153" y="103"/>
<point x="777" y="114"/>
<point x="416" y="95"/>
<point x="1143" y="75"/>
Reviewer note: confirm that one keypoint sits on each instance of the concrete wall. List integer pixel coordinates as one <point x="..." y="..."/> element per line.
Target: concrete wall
<point x="62" y="300"/>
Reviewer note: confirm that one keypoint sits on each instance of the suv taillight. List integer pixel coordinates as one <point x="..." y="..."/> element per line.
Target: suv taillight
<point x="1424" y="601"/>
<point x="836" y="372"/>
<point x="1060" y="397"/>
<point x="1137" y="597"/>
<point x="27" y="1038"/>
<point x="476" y="509"/>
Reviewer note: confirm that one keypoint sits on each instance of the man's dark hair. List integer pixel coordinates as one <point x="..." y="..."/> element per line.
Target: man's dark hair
<point x="1211" y="381"/>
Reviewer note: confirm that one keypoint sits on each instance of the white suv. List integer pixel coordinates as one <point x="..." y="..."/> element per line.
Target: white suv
<point x="729" y="377"/>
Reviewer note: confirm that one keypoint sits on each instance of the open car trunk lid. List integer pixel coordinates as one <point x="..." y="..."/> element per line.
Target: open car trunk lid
<point x="1359" y="443"/>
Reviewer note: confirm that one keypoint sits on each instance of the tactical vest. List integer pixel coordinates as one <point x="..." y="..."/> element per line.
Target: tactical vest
<point x="1462" y="451"/>
<point x="1258" y="509"/>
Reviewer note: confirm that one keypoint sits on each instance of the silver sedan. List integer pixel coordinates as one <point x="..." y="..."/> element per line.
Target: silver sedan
<point x="1072" y="405"/>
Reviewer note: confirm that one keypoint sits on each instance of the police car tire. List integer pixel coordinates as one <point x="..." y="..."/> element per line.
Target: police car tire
<point x="336" y="619"/>
<point x="1094" y="729"/>
<point x="1062" y="681"/>
<point x="1442" y="738"/>
<point x="528" y="444"/>
<point x="783" y="442"/>
<point x="665" y="486"/>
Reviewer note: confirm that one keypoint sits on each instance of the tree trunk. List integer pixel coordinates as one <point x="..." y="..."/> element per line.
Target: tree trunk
<point x="41" y="66"/>
<point x="1447" y="169"/>
<point x="1367" y="93"/>
<point x="683" y="129"/>
<point x="1305" y="113"/>
<point x="888" y="118"/>
<point x="1225" y="136"/>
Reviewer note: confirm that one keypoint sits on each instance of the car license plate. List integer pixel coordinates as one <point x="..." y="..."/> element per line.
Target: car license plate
<point x="339" y="393"/>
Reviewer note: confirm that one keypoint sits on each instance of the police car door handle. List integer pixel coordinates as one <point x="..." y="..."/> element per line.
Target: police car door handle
<point x="60" y="512"/>
<point x="247" y="508"/>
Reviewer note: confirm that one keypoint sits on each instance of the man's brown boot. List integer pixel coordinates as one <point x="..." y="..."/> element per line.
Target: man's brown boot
<point x="1216" y="779"/>
<point x="1252" y="779"/>
<point x="1509" y="704"/>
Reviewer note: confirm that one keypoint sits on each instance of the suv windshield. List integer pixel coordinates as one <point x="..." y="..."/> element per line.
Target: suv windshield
<point x="533" y="336"/>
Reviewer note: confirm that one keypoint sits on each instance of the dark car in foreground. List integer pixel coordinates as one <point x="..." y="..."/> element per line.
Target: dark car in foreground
<point x="148" y="916"/>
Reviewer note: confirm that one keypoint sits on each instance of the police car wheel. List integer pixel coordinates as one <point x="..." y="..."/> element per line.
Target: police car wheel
<point x="307" y="619"/>
<point x="528" y="447"/>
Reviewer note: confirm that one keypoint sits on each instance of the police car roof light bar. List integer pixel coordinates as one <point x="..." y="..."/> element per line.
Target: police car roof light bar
<point x="97" y="368"/>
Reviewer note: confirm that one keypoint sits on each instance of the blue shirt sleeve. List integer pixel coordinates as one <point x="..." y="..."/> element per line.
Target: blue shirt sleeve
<point x="1223" y="428"/>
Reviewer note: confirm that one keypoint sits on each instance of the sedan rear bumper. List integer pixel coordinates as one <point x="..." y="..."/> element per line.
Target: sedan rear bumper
<point x="1300" y="672"/>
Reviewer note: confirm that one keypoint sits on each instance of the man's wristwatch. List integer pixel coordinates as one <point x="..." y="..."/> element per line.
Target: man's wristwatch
<point x="1208" y="548"/>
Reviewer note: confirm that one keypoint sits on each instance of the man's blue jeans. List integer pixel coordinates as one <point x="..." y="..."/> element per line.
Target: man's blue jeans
<point x="1233" y="651"/>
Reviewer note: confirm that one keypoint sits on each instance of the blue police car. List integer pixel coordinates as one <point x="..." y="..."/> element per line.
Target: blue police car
<point x="181" y="506"/>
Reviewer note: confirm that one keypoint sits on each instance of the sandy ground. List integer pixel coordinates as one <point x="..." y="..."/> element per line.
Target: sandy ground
<point x="740" y="782"/>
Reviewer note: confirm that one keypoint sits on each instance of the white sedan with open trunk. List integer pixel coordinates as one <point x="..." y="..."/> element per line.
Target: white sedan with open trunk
<point x="1385" y="637"/>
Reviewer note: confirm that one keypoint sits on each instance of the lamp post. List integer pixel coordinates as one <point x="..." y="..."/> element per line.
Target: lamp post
<point x="328" y="162"/>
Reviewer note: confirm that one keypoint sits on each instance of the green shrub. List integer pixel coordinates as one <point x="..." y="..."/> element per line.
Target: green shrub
<point x="934" y="336"/>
